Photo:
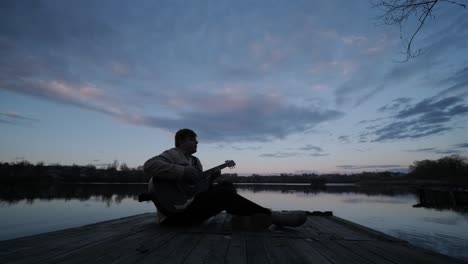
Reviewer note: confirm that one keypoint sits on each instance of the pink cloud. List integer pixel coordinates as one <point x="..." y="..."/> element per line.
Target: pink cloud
<point x="343" y="67"/>
<point x="320" y="87"/>
<point x="238" y="99"/>
<point x="377" y="46"/>
<point x="84" y="96"/>
<point x="57" y="88"/>
<point x="13" y="117"/>
<point x="89" y="91"/>
<point x="268" y="51"/>
<point x="354" y="40"/>
<point x="375" y="50"/>
<point x="120" y="69"/>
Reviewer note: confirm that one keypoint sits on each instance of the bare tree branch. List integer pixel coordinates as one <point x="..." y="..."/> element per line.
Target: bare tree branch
<point x="397" y="12"/>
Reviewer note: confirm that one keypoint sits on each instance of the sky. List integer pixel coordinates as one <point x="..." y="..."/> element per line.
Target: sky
<point x="276" y="86"/>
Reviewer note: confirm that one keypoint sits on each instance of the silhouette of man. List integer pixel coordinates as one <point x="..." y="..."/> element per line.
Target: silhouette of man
<point x="175" y="169"/>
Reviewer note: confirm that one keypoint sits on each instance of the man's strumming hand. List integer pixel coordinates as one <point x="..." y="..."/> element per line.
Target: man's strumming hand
<point x="191" y="174"/>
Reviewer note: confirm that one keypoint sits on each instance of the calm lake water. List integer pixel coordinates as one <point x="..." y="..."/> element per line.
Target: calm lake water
<point x="33" y="210"/>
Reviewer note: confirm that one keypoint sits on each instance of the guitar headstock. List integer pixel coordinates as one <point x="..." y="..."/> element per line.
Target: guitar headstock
<point x="230" y="163"/>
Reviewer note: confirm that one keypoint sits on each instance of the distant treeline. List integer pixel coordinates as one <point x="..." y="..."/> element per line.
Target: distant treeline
<point x="312" y="178"/>
<point x="25" y="172"/>
<point x="452" y="170"/>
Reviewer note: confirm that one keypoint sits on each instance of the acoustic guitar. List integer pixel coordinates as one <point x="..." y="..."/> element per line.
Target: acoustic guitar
<point x="174" y="197"/>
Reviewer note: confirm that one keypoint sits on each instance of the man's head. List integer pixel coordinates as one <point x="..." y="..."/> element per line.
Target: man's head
<point x="186" y="140"/>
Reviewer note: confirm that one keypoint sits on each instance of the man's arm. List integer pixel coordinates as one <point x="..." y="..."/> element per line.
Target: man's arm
<point x="164" y="168"/>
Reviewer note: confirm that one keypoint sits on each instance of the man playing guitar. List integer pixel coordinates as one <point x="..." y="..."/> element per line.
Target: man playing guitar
<point x="183" y="193"/>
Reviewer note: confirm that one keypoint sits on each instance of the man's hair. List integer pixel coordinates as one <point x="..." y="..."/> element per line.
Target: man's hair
<point x="183" y="134"/>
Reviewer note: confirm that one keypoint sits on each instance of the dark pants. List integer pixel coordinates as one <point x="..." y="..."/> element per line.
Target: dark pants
<point x="221" y="197"/>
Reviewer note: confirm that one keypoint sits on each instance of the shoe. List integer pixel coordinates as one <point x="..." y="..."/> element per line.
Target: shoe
<point x="289" y="218"/>
<point x="252" y="222"/>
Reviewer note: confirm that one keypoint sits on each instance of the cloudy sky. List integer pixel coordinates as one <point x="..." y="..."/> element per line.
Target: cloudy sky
<point x="277" y="86"/>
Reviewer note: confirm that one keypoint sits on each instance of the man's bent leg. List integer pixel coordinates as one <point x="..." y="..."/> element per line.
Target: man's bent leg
<point x="250" y="215"/>
<point x="222" y="197"/>
<point x="225" y="197"/>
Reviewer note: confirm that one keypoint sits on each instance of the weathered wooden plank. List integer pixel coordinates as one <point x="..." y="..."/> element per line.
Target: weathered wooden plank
<point x="140" y="239"/>
<point x="339" y="231"/>
<point x="336" y="253"/>
<point x="32" y="249"/>
<point x="211" y="249"/>
<point x="127" y="245"/>
<point x="278" y="251"/>
<point x="306" y="252"/>
<point x="73" y="233"/>
<point x="409" y="254"/>
<point x="323" y="229"/>
<point x="348" y="232"/>
<point x="175" y="250"/>
<point x="237" y="252"/>
<point x="364" y="229"/>
<point x="361" y="248"/>
<point x="148" y="243"/>
<point x="255" y="250"/>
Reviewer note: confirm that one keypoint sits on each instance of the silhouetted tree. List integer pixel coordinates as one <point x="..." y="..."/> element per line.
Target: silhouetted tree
<point x="398" y="12"/>
<point x="124" y="167"/>
<point x="91" y="167"/>
<point x="451" y="168"/>
<point x="113" y="166"/>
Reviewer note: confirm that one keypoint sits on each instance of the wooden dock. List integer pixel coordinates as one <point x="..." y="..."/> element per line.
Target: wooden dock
<point x="139" y="239"/>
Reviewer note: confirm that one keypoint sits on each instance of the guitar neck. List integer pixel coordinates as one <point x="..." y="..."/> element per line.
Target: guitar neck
<point x="219" y="167"/>
<point x="209" y="173"/>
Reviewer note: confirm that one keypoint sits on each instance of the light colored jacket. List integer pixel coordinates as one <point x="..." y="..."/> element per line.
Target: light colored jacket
<point x="168" y="167"/>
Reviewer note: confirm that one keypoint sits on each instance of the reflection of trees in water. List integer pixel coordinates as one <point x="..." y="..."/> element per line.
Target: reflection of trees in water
<point x="443" y="199"/>
<point x="310" y="189"/>
<point x="108" y="193"/>
<point x="115" y="193"/>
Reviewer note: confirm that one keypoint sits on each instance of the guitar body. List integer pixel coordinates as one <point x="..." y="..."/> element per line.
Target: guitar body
<point x="176" y="196"/>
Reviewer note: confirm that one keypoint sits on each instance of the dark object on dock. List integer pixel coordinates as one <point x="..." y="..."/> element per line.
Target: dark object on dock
<point x="318" y="213"/>
<point x="139" y="239"/>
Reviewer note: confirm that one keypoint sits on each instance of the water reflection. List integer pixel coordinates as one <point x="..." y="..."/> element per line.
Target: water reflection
<point x="108" y="193"/>
<point x="115" y="193"/>
<point x="443" y="198"/>
<point x="331" y="188"/>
